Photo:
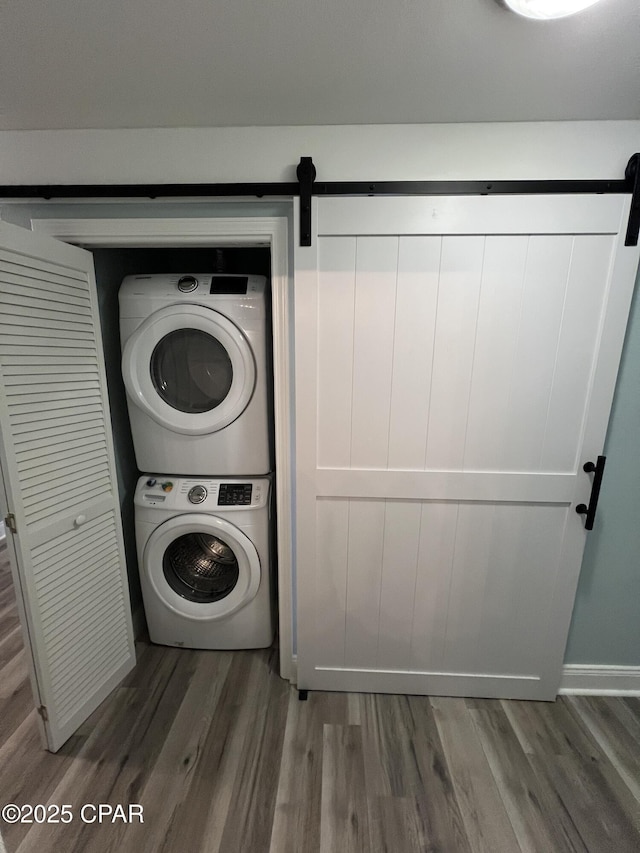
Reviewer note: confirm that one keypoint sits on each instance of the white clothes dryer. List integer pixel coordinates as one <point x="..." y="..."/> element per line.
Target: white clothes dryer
<point x="195" y="368"/>
<point x="204" y="560"/>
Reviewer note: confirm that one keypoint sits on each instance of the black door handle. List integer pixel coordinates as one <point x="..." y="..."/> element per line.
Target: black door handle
<point x="590" y="511"/>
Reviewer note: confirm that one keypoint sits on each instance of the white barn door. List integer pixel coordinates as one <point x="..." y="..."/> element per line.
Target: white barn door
<point x="455" y="364"/>
<point x="59" y="480"/>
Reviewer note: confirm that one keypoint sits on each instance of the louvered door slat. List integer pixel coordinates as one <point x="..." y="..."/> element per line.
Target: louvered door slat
<point x="36" y="509"/>
<point x="78" y="452"/>
<point x="55" y="564"/>
<point x="40" y="270"/>
<point x="17" y="286"/>
<point x="12" y="334"/>
<point x="58" y="567"/>
<point x="98" y="614"/>
<point x="60" y="422"/>
<point x="43" y="319"/>
<point x="38" y="449"/>
<point x="96" y="573"/>
<point x="63" y="468"/>
<point x="30" y="439"/>
<point x="75" y="349"/>
<point x="26" y="304"/>
<point x="110" y="658"/>
<point x="59" y="471"/>
<point x="29" y="369"/>
<point x="69" y="477"/>
<point x="52" y="357"/>
<point x="26" y="417"/>
<point x="56" y="397"/>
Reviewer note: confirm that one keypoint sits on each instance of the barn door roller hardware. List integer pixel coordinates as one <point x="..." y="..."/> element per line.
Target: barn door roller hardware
<point x="307" y="186"/>
<point x="306" y="173"/>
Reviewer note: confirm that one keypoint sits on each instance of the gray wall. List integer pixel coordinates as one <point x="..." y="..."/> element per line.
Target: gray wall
<point x="606" y="618"/>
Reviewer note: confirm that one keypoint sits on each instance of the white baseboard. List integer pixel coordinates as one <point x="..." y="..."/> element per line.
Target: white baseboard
<point x="585" y="680"/>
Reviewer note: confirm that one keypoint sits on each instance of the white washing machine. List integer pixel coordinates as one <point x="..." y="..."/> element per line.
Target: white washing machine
<point x="195" y="367"/>
<point x="204" y="560"/>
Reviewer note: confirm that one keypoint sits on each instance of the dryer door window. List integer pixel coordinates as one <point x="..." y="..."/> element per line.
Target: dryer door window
<point x="191" y="370"/>
<point x="201" y="567"/>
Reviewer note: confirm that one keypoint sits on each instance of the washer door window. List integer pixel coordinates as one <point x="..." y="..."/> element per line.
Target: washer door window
<point x="201" y="566"/>
<point x="190" y="368"/>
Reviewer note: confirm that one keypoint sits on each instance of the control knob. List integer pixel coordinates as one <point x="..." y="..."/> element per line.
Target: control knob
<point x="197" y="494"/>
<point x="187" y="283"/>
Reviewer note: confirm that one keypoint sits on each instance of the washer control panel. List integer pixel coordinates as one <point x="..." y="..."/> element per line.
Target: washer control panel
<point x="234" y="494"/>
<point x="202" y="494"/>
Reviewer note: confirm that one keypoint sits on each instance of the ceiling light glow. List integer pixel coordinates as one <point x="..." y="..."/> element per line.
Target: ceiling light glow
<point x="543" y="10"/>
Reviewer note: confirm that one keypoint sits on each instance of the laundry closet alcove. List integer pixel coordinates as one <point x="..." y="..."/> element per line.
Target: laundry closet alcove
<point x="123" y="245"/>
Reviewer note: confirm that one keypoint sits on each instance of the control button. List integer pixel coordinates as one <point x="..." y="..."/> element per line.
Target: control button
<point x="166" y="487"/>
<point x="187" y="283"/>
<point x="197" y="494"/>
<point x="151" y="482"/>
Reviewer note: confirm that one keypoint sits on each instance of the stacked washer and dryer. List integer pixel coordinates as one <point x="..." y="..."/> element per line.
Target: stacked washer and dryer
<point x="196" y="370"/>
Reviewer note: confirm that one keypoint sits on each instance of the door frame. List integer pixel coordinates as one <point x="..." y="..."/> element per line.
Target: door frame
<point x="211" y="232"/>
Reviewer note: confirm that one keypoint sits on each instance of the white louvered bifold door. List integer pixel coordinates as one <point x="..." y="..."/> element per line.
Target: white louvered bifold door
<point x="59" y="478"/>
<point x="455" y="364"/>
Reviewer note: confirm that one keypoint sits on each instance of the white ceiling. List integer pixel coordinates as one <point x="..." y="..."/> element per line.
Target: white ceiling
<point x="208" y="63"/>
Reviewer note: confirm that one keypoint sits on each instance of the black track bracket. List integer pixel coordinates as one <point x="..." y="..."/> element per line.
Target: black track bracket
<point x="632" y="175"/>
<point x="306" y="173"/>
<point x="303" y="695"/>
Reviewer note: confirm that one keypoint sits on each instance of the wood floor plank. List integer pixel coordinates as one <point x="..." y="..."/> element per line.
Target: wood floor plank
<point x="249" y="823"/>
<point x="539" y="822"/>
<point x="484" y="814"/>
<point x="9" y="622"/>
<point x="15" y="708"/>
<point x="580" y="785"/>
<point x="199" y="822"/>
<point x="549" y="728"/>
<point x="616" y="739"/>
<point x="404" y="758"/>
<point x="344" y="824"/>
<point x="398" y="824"/>
<point x="167" y="781"/>
<point x="133" y="735"/>
<point x="390" y="757"/>
<point x="10" y="646"/>
<point x="13" y="674"/>
<point x="30" y="773"/>
<point x="296" y="823"/>
<point x="209" y="810"/>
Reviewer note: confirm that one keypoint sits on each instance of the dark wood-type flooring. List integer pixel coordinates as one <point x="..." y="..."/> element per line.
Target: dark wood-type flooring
<point x="223" y="757"/>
